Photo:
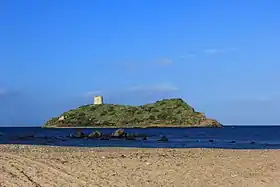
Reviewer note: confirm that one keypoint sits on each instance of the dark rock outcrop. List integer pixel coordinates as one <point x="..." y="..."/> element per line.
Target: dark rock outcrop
<point x="163" y="139"/>
<point x="78" y="134"/>
<point x="118" y="133"/>
<point x="95" y="134"/>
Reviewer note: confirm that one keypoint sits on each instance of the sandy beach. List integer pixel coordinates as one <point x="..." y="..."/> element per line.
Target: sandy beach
<point x="41" y="166"/>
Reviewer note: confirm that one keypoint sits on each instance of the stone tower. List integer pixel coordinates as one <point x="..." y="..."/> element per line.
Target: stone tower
<point x="98" y="100"/>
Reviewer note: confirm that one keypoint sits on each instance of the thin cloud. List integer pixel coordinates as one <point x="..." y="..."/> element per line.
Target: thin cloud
<point x="92" y="93"/>
<point x="215" y="51"/>
<point x="3" y="91"/>
<point x="165" y="61"/>
<point x="233" y="49"/>
<point x="131" y="66"/>
<point x="189" y="55"/>
<point x="154" y="88"/>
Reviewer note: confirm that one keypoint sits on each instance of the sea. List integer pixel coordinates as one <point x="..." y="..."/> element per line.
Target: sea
<point x="228" y="137"/>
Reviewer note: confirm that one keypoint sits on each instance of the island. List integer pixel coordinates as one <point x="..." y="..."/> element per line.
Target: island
<point x="163" y="113"/>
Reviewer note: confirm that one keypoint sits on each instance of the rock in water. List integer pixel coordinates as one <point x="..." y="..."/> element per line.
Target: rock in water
<point x="95" y="134"/>
<point x="118" y="133"/>
<point x="163" y="139"/>
<point x="78" y="134"/>
<point x="105" y="138"/>
<point x="130" y="138"/>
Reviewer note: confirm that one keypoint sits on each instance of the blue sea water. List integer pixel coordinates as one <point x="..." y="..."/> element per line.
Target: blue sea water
<point x="229" y="137"/>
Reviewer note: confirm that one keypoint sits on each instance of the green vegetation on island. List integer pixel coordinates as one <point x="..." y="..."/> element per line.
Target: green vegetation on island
<point x="163" y="113"/>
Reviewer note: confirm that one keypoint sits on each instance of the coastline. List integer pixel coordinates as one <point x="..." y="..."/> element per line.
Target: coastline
<point x="130" y="127"/>
<point x="24" y="165"/>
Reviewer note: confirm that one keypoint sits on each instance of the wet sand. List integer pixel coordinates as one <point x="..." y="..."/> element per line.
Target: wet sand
<point x="41" y="166"/>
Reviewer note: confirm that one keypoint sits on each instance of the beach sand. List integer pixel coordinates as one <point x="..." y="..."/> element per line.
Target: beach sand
<point x="41" y="166"/>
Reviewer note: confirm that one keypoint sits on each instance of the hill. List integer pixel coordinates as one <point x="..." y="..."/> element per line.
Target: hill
<point x="163" y="113"/>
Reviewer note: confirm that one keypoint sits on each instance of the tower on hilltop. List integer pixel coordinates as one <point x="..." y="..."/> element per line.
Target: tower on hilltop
<point x="98" y="100"/>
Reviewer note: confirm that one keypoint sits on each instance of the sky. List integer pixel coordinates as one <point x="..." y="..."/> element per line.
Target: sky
<point x="221" y="57"/>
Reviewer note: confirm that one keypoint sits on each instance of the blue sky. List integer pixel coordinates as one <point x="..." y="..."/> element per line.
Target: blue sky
<point x="222" y="57"/>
